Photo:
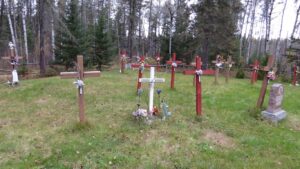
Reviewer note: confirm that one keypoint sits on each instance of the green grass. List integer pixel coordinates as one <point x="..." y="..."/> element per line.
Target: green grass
<point x="39" y="126"/>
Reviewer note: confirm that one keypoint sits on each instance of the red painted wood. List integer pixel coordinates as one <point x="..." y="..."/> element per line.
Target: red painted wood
<point x="254" y="72"/>
<point x="139" y="84"/>
<point x="173" y="69"/>
<point x="198" y="88"/>
<point x="295" y="75"/>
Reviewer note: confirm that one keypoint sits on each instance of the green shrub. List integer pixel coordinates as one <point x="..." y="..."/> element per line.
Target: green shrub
<point x="240" y="74"/>
<point x="51" y="72"/>
<point x="22" y="70"/>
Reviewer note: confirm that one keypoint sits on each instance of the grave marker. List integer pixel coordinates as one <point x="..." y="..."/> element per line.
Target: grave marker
<point x="14" y="61"/>
<point x="274" y="112"/>
<point x="80" y="75"/>
<point x="218" y="64"/>
<point x="152" y="80"/>
<point x="268" y="76"/>
<point x="174" y="64"/>
<point x="158" y="62"/>
<point x="228" y="64"/>
<point x="197" y="76"/>
<point x="295" y="72"/>
<point x="255" y="69"/>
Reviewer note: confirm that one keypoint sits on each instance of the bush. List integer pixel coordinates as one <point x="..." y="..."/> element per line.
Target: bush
<point x="22" y="70"/>
<point x="240" y="74"/>
<point x="51" y="72"/>
<point x="284" y="78"/>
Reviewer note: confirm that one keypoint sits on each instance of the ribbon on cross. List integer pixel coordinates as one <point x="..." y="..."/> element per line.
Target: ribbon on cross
<point x="199" y="73"/>
<point x="79" y="84"/>
<point x="174" y="64"/>
<point x="271" y="75"/>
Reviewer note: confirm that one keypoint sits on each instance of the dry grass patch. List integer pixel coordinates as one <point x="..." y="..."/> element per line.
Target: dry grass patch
<point x="294" y="123"/>
<point x="219" y="139"/>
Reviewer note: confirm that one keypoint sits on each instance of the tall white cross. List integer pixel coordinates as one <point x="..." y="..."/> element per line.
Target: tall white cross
<point x="152" y="80"/>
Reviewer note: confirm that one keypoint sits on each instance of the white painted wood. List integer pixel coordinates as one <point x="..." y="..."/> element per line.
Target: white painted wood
<point x="152" y="80"/>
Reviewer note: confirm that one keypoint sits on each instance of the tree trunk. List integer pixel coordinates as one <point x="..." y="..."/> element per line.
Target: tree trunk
<point x="42" y="34"/>
<point x="1" y="16"/>
<point x="296" y="22"/>
<point x="280" y="31"/>
<point x="150" y="50"/>
<point x="25" y="32"/>
<point x="251" y="31"/>
<point x="269" y="6"/>
<point x="11" y="29"/>
<point x="241" y="28"/>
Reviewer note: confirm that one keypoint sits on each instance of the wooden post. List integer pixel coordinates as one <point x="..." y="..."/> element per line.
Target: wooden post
<point x="254" y="71"/>
<point x="80" y="75"/>
<point x="229" y="64"/>
<point x="174" y="64"/>
<point x="218" y="63"/>
<point x="158" y="63"/>
<point x="197" y="75"/>
<point x="295" y="75"/>
<point x="264" y="86"/>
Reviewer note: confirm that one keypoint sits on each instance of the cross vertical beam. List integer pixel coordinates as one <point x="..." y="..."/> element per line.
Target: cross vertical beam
<point x="229" y="64"/>
<point x="254" y="71"/>
<point x="174" y="64"/>
<point x="198" y="86"/>
<point x="264" y="86"/>
<point x="80" y="75"/>
<point x="295" y="75"/>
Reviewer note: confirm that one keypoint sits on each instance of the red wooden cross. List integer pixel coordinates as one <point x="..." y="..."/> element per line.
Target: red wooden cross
<point x="255" y="69"/>
<point x="80" y="75"/>
<point x="174" y="64"/>
<point x="197" y="74"/>
<point x="141" y="67"/>
<point x="295" y="75"/>
<point x="264" y="86"/>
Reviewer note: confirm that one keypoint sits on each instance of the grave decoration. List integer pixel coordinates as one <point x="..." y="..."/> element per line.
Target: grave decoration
<point x="157" y="58"/>
<point x="79" y="76"/>
<point x="274" y="112"/>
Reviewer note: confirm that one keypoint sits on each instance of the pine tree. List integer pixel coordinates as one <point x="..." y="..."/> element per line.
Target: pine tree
<point x="103" y="44"/>
<point x="69" y="41"/>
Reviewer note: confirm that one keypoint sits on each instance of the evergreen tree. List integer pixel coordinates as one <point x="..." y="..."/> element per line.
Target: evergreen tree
<point x="69" y="41"/>
<point x="103" y="44"/>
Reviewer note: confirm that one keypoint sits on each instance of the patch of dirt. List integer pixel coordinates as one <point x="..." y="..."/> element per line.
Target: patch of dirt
<point x="219" y="139"/>
<point x="294" y="123"/>
<point x="41" y="101"/>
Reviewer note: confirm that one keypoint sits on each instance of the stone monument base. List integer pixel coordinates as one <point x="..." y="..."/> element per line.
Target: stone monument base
<point x="274" y="117"/>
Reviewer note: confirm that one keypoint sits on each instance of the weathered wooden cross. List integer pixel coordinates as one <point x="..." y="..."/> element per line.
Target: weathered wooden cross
<point x="158" y="62"/>
<point x="122" y="62"/>
<point x="197" y="74"/>
<point x="268" y="76"/>
<point x="255" y="69"/>
<point x="228" y="65"/>
<point x="80" y="75"/>
<point x="295" y="72"/>
<point x="152" y="80"/>
<point x="174" y="64"/>
<point x="14" y="61"/>
<point x="218" y="63"/>
<point x="141" y="66"/>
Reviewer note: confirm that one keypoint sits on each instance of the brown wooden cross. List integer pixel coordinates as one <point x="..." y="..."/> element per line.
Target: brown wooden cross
<point x="264" y="86"/>
<point x="228" y="65"/>
<point x="255" y="69"/>
<point x="13" y="59"/>
<point x="174" y="64"/>
<point x="80" y="75"/>
<point x="218" y="63"/>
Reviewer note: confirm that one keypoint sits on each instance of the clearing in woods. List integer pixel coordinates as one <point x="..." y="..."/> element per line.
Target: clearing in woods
<point x="39" y="126"/>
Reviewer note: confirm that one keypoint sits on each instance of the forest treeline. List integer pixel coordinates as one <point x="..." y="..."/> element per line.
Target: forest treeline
<point x="55" y="31"/>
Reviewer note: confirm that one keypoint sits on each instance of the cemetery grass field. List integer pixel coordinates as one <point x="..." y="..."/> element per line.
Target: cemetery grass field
<point x="39" y="126"/>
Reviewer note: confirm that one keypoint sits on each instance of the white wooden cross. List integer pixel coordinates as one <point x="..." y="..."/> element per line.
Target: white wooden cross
<point x="152" y="80"/>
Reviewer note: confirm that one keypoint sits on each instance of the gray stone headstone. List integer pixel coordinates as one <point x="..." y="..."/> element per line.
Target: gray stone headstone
<point x="274" y="111"/>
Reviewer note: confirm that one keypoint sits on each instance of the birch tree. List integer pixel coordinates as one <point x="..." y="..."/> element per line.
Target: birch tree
<point x="25" y="31"/>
